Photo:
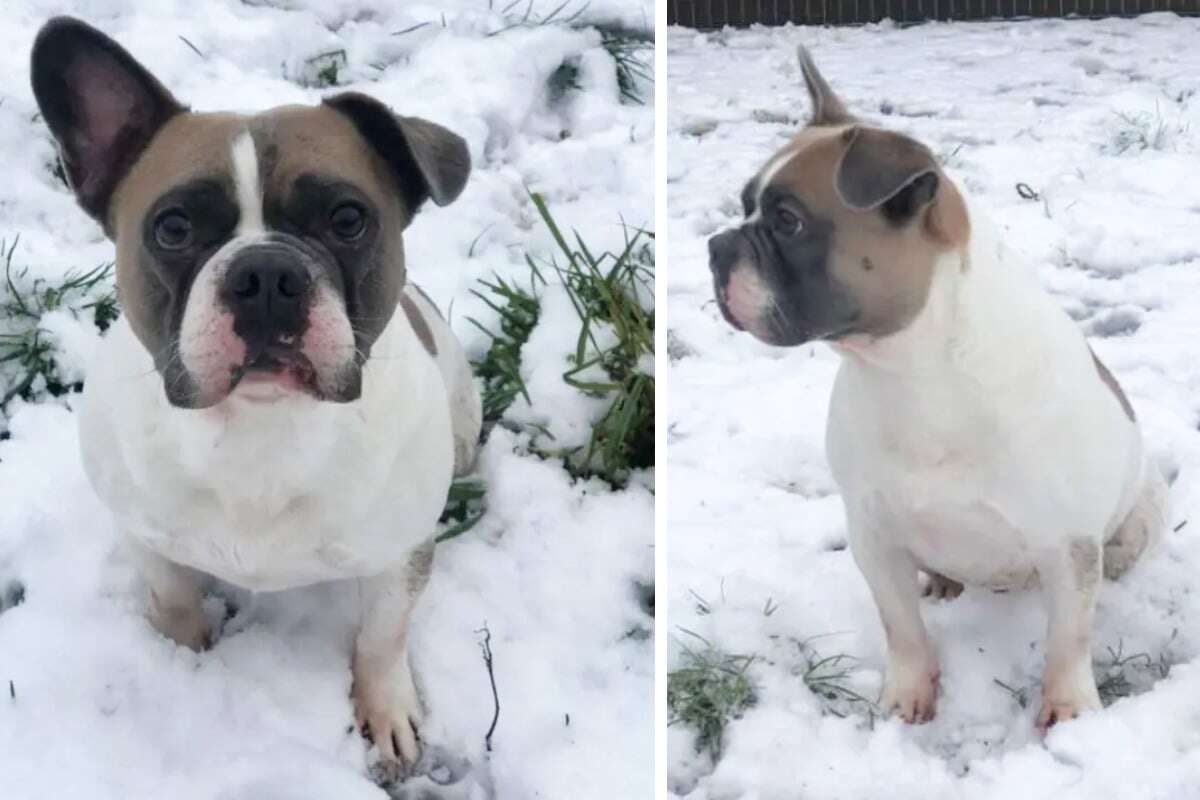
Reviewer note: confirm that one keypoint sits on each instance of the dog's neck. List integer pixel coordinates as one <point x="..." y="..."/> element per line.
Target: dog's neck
<point x="971" y="321"/>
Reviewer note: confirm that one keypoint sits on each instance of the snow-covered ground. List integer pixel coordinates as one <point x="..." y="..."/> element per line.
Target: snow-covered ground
<point x="757" y="537"/>
<point x="101" y="706"/>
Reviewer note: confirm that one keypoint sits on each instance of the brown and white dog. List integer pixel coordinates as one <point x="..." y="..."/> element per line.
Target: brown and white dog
<point x="972" y="433"/>
<point x="277" y="406"/>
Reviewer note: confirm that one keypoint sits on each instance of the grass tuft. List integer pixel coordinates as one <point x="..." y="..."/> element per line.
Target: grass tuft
<point x="1141" y="131"/>
<point x="500" y="368"/>
<point x="708" y="691"/>
<point x="323" y="70"/>
<point x="465" y="506"/>
<point x="1123" y="675"/>
<point x="607" y="291"/>
<point x="28" y="365"/>
<point x="632" y="53"/>
<point x="828" y="677"/>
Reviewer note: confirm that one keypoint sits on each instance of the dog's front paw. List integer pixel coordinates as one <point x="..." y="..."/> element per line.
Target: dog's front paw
<point x="911" y="692"/>
<point x="388" y="709"/>
<point x="183" y="625"/>
<point x="1065" y="701"/>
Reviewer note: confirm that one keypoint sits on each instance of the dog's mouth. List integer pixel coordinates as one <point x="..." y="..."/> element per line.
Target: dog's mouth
<point x="277" y="367"/>
<point x="722" y="293"/>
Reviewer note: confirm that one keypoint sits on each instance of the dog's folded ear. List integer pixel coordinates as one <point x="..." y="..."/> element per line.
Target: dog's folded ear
<point x="827" y="108"/>
<point x="428" y="161"/>
<point x="877" y="166"/>
<point x="899" y="176"/>
<point x="102" y="106"/>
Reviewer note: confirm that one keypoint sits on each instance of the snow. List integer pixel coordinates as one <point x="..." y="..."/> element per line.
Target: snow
<point x="755" y="520"/>
<point x="101" y="705"/>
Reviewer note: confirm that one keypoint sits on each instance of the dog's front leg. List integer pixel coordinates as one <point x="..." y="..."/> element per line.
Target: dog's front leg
<point x="910" y="686"/>
<point x="175" y="597"/>
<point x="1070" y="578"/>
<point x="386" y="701"/>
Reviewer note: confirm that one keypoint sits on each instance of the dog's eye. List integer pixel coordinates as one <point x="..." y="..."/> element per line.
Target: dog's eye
<point x="173" y="230"/>
<point x="348" y="221"/>
<point x="787" y="221"/>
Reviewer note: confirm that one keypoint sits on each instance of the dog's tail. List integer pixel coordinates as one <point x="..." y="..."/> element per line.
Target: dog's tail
<point x="1142" y="527"/>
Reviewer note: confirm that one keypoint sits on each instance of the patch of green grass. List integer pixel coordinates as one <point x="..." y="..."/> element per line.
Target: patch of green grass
<point x="465" y="506"/>
<point x="611" y="291"/>
<point x="28" y="365"/>
<point x="709" y="690"/>
<point x="613" y="354"/>
<point x="829" y="678"/>
<point x="523" y="15"/>
<point x="323" y="70"/>
<point x="1122" y="675"/>
<point x="1136" y="132"/>
<point x="500" y="368"/>
<point x="632" y="54"/>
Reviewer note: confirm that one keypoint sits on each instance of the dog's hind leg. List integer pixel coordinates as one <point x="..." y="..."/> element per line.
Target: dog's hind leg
<point x="1142" y="527"/>
<point x="466" y="408"/>
<point x="1070" y="577"/>
<point x="386" y="701"/>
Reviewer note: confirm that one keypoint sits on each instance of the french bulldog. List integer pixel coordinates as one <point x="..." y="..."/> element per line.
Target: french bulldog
<point x="277" y="406"/>
<point x="972" y="432"/>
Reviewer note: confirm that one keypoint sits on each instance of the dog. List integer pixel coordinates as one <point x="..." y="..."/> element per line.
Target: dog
<point x="973" y="434"/>
<point x="277" y="406"/>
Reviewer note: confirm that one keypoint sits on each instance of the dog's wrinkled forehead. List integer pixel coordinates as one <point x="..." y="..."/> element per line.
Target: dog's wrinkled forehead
<point x="805" y="167"/>
<point x="256" y="160"/>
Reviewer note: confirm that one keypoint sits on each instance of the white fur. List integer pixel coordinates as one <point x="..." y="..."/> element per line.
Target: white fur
<point x="466" y="408"/>
<point x="249" y="186"/>
<point x="271" y="495"/>
<point x="766" y="176"/>
<point x="981" y="443"/>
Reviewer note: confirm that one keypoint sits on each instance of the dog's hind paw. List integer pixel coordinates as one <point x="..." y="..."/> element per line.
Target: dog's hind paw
<point x="939" y="587"/>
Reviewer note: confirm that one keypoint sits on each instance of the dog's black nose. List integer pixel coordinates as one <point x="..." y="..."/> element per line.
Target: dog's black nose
<point x="268" y="291"/>
<point x="722" y="254"/>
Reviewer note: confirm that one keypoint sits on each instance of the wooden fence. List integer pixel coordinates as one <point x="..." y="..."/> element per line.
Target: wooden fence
<point x="709" y="14"/>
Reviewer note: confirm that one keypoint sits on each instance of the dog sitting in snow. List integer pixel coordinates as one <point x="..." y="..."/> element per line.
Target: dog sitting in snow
<point x="277" y="406"/>
<point x="972" y="432"/>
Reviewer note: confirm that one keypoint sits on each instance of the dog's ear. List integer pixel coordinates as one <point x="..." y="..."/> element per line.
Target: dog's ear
<point x="900" y="177"/>
<point x="827" y="108"/>
<point x="427" y="160"/>
<point x="102" y="106"/>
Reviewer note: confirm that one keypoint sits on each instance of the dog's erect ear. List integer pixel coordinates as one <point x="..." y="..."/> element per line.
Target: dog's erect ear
<point x="827" y="107"/>
<point x="427" y="160"/>
<point x="900" y="177"/>
<point x="102" y="106"/>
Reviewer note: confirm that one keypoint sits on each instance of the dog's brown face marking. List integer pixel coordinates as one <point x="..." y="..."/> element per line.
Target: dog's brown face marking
<point x="284" y="226"/>
<point x="844" y="227"/>
<point x="308" y="161"/>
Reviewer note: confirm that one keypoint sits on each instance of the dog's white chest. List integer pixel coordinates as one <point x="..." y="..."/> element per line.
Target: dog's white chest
<point x="271" y="495"/>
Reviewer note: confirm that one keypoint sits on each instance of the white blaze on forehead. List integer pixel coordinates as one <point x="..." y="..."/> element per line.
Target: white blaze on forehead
<point x="249" y="189"/>
<point x="766" y="176"/>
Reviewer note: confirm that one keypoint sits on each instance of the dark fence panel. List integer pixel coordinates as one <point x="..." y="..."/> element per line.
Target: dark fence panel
<point x="709" y="14"/>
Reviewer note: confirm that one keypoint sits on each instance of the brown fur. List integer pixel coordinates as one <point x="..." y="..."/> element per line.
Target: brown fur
<point x="290" y="141"/>
<point x="1113" y="386"/>
<point x="893" y="291"/>
<point x="419" y="325"/>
